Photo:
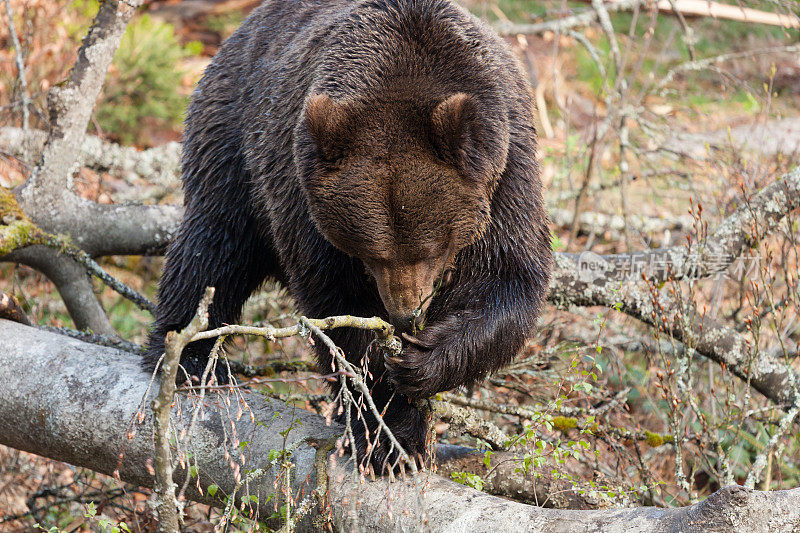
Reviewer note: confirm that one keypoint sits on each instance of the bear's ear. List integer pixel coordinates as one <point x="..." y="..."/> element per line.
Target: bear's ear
<point x="458" y="135"/>
<point x="326" y="121"/>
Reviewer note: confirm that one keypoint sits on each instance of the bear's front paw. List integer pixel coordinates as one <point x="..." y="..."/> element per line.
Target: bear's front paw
<point x="412" y="372"/>
<point x="419" y="370"/>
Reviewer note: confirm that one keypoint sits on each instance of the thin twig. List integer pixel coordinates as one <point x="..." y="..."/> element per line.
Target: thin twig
<point x="761" y="459"/>
<point x="270" y="332"/>
<point x="23" y="233"/>
<point x="56" y="242"/>
<point x="559" y="25"/>
<point x="358" y="381"/>
<point x="23" y="83"/>
<point x="708" y="62"/>
<point x="167" y="504"/>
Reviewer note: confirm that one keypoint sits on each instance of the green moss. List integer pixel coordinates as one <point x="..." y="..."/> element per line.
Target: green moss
<point x="655" y="440"/>
<point x="18" y="234"/>
<point x="564" y="423"/>
<point x="16" y="229"/>
<point x="9" y="205"/>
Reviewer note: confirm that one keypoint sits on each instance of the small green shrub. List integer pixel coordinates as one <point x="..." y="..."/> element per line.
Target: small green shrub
<point x="145" y="82"/>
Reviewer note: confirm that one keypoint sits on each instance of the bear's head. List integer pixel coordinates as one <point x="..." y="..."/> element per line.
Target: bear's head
<point x="402" y="184"/>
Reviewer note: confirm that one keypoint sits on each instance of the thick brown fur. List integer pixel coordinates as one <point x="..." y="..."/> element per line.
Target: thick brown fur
<point x="365" y="152"/>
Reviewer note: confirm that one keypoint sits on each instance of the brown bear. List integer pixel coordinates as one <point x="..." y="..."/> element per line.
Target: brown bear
<point x="377" y="157"/>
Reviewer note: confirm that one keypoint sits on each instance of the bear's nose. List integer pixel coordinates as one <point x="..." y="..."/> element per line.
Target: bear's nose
<point x="406" y="322"/>
<point x="405" y="291"/>
<point x="406" y="307"/>
<point x="402" y="324"/>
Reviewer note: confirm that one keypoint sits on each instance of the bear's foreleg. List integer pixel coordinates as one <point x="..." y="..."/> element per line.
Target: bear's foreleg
<point x="215" y="247"/>
<point x="478" y="332"/>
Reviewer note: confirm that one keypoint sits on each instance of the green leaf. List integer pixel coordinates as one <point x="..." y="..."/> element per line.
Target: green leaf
<point x="555" y="242"/>
<point x="469" y="479"/>
<point x="487" y="458"/>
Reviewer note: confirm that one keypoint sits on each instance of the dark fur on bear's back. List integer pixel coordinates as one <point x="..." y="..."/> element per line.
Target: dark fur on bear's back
<point x="333" y="144"/>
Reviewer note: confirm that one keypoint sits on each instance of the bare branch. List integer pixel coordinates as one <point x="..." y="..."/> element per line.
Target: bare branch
<point x="703" y="8"/>
<point x="738" y="232"/>
<point x="467" y="421"/>
<point x="702" y="64"/>
<point x="599" y="7"/>
<point x="563" y="24"/>
<point x="358" y="381"/>
<point x="21" y="234"/>
<point x="23" y="82"/>
<point x="786" y="423"/>
<point x="270" y="332"/>
<point x="47" y="197"/>
<point x="159" y="165"/>
<point x="174" y="343"/>
<point x="73" y="285"/>
<point x="71" y="104"/>
<point x="762" y="213"/>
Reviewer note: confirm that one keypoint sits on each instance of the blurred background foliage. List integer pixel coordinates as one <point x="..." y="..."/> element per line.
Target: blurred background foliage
<point x="143" y="87"/>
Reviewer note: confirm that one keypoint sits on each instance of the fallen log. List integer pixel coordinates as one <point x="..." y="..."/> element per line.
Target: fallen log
<point x="689" y="8"/>
<point x="80" y="403"/>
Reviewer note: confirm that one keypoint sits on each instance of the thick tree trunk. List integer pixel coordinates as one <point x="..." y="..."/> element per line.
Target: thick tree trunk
<point x="77" y="402"/>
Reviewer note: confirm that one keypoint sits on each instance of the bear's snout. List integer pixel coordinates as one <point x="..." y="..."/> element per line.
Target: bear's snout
<point x="406" y="290"/>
